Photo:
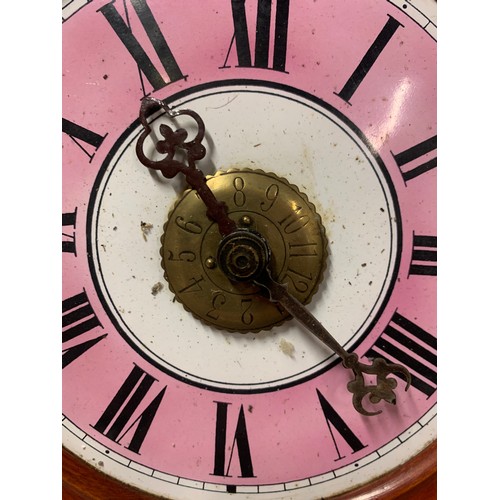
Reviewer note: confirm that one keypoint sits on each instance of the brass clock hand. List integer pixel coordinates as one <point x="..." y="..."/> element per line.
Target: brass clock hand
<point x="244" y="255"/>
<point x="170" y="144"/>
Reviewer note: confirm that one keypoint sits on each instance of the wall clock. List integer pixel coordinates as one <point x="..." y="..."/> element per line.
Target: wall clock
<point x="319" y="134"/>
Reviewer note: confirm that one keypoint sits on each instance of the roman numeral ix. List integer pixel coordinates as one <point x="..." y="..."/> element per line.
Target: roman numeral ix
<point x="68" y="242"/>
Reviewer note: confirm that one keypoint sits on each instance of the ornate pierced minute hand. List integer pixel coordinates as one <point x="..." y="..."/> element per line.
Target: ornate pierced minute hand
<point x="253" y="251"/>
<point x="384" y="387"/>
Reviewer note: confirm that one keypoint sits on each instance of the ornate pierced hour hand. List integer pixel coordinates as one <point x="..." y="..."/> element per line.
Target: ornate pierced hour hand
<point x="245" y="256"/>
<point x="170" y="144"/>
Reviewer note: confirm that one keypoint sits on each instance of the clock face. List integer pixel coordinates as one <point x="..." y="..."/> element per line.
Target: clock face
<point x="175" y="380"/>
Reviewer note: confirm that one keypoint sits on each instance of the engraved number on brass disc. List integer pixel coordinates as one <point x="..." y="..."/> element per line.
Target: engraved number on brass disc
<point x="259" y="201"/>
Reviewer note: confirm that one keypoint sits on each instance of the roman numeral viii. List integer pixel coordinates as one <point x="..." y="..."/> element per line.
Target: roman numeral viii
<point x="160" y="46"/>
<point x="262" y="35"/>
<point x="78" y="320"/>
<point x="404" y="342"/>
<point x="339" y="429"/>
<point x="240" y="441"/>
<point x="369" y="59"/>
<point x="123" y="417"/>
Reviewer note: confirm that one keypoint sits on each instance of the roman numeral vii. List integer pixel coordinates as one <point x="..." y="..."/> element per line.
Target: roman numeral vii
<point x="123" y="417"/>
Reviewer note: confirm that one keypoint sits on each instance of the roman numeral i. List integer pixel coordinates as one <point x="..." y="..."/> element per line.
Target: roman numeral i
<point x="369" y="59"/>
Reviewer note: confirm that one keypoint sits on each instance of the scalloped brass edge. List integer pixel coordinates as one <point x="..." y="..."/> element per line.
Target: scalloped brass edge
<point x="301" y="194"/>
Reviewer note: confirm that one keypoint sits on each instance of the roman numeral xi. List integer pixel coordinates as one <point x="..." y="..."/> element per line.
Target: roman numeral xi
<point x="153" y="74"/>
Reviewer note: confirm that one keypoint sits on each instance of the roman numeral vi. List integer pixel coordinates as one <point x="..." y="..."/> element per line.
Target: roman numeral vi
<point x="240" y="441"/>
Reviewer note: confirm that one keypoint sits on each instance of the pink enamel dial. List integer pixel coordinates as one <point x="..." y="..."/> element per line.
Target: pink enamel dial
<point x="337" y="98"/>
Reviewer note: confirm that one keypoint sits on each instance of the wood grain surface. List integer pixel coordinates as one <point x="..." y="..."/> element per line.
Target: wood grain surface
<point x="414" y="480"/>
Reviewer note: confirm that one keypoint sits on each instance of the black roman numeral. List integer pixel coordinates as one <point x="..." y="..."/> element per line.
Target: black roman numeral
<point x="78" y="318"/>
<point x="337" y="424"/>
<point x="87" y="140"/>
<point x="121" y="414"/>
<point x="262" y="36"/>
<point x="424" y="255"/>
<point x="146" y="66"/>
<point x="404" y="342"/>
<point x="240" y="440"/>
<point x="405" y="159"/>
<point x="68" y="242"/>
<point x="369" y="59"/>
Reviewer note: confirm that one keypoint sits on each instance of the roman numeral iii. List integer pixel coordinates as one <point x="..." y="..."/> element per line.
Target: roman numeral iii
<point x="424" y="256"/>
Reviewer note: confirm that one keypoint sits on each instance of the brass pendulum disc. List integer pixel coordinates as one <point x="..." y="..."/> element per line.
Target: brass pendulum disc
<point x="260" y="203"/>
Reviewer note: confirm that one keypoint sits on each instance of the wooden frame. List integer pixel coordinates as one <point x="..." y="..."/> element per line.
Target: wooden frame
<point x="414" y="480"/>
